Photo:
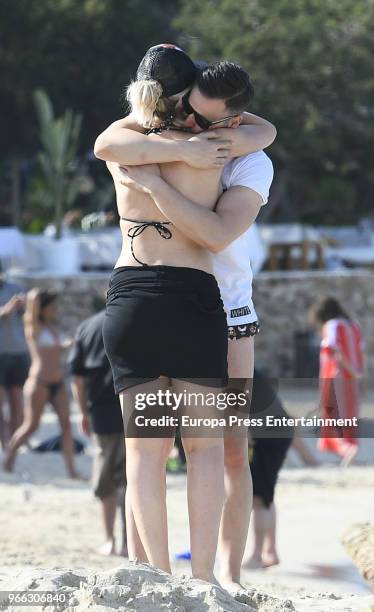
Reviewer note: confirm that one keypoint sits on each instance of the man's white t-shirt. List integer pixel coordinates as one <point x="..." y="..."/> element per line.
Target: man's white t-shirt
<point x="232" y="266"/>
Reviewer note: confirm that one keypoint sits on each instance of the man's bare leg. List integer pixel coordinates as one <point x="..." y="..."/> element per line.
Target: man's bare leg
<point x="3" y="425"/>
<point x="261" y="528"/>
<point x="108" y="507"/>
<point x="303" y="451"/>
<point x="238" y="480"/>
<point x="269" y="551"/>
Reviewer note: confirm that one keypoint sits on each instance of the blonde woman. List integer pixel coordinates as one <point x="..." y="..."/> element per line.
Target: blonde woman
<point x="46" y="380"/>
<point x="165" y="324"/>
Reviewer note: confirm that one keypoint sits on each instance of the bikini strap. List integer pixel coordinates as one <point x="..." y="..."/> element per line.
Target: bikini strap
<point x="140" y="226"/>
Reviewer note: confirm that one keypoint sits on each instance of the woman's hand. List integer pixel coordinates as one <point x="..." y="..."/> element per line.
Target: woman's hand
<point x="141" y="178"/>
<point x="207" y="150"/>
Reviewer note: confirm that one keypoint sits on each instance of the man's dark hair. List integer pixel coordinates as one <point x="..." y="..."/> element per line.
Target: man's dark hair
<point x="226" y="81"/>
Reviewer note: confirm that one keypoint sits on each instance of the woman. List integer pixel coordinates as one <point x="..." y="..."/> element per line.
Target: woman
<point x="341" y="367"/>
<point x="45" y="383"/>
<point x="165" y="326"/>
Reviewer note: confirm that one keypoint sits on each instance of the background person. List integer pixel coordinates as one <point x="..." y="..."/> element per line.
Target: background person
<point x="341" y="368"/>
<point x="92" y="386"/>
<point x="46" y="379"/>
<point x="14" y="356"/>
<point x="267" y="456"/>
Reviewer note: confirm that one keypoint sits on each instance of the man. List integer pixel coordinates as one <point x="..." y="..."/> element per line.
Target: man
<point x="246" y="181"/>
<point x="92" y="387"/>
<point x="14" y="357"/>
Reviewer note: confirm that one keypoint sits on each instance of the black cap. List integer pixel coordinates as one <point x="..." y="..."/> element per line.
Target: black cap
<point x="169" y="66"/>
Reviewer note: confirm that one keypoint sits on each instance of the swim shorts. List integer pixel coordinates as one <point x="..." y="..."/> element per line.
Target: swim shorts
<point x="165" y="321"/>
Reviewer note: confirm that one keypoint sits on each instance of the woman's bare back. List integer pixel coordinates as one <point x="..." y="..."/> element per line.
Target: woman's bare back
<point x="199" y="185"/>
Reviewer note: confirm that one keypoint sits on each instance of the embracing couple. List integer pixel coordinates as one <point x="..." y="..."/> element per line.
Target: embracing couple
<point x="190" y="178"/>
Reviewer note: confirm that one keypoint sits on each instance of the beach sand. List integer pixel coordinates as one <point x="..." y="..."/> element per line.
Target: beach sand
<point x="50" y="527"/>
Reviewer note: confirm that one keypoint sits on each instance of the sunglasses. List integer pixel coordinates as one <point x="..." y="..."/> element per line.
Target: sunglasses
<point x="201" y="121"/>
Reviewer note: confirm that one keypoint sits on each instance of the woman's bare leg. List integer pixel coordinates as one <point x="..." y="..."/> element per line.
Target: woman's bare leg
<point x="134" y="544"/>
<point x="15" y="395"/>
<point x="205" y="483"/>
<point x="146" y="479"/>
<point x="36" y="396"/>
<point x="61" y="405"/>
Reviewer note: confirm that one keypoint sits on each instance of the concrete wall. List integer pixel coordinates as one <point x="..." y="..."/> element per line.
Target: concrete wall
<point x="282" y="301"/>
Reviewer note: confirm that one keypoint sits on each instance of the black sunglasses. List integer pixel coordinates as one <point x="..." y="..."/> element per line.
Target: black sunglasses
<point x="201" y="121"/>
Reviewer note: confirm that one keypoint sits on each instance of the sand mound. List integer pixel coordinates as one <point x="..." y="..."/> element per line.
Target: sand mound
<point x="134" y="587"/>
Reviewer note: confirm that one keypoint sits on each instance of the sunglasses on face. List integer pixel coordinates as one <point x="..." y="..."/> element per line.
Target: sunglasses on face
<point x="201" y="121"/>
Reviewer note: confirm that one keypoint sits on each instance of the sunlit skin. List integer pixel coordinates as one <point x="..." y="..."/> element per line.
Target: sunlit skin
<point x="211" y="108"/>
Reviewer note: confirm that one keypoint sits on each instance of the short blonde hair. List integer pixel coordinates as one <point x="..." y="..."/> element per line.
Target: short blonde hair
<point x="148" y="106"/>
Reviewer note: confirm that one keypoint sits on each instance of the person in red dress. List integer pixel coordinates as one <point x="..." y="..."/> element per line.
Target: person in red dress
<point x="341" y="368"/>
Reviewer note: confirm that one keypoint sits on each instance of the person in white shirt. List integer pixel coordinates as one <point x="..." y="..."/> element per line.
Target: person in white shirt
<point x="224" y="232"/>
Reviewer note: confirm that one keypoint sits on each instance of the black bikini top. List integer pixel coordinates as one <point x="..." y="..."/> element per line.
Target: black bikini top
<point x="159" y="226"/>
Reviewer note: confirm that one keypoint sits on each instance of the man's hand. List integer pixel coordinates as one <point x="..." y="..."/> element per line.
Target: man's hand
<point x="141" y="178"/>
<point x="85" y="425"/>
<point x="207" y="150"/>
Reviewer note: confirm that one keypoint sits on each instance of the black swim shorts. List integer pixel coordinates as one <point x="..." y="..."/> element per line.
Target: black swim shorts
<point x="165" y="321"/>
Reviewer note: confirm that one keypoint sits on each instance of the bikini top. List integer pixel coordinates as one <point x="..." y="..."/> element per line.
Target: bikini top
<point x="160" y="226"/>
<point x="140" y="226"/>
<point x="48" y="338"/>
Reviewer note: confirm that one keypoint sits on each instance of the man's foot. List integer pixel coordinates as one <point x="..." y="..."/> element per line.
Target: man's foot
<point x="253" y="562"/>
<point x="108" y="548"/>
<point x="270" y="559"/>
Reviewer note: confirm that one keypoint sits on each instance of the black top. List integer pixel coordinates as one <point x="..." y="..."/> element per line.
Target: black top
<point x="88" y="358"/>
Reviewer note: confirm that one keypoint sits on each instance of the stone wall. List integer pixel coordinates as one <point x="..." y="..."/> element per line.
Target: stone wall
<point x="282" y="301"/>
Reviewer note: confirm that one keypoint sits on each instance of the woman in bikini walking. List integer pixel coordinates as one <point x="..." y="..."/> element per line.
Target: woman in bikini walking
<point x="46" y="382"/>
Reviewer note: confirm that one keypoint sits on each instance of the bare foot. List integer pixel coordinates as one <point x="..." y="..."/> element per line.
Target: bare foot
<point x="253" y="563"/>
<point x="231" y="585"/>
<point x="212" y="580"/>
<point x="108" y="548"/>
<point x="8" y="464"/>
<point x="77" y="476"/>
<point x="270" y="559"/>
<point x="349" y="455"/>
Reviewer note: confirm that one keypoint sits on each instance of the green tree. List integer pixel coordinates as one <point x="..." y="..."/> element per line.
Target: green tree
<point x="312" y="63"/>
<point x="83" y="52"/>
<point x="59" y="137"/>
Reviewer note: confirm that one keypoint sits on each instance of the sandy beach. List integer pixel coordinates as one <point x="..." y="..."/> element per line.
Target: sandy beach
<point x="50" y="527"/>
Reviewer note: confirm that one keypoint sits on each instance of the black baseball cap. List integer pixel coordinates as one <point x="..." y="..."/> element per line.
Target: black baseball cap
<point x="170" y="66"/>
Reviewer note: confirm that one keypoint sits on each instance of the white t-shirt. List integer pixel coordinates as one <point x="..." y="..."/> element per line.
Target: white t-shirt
<point x="232" y="266"/>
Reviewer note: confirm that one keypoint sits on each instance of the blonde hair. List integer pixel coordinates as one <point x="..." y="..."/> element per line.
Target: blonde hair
<point x="148" y="106"/>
